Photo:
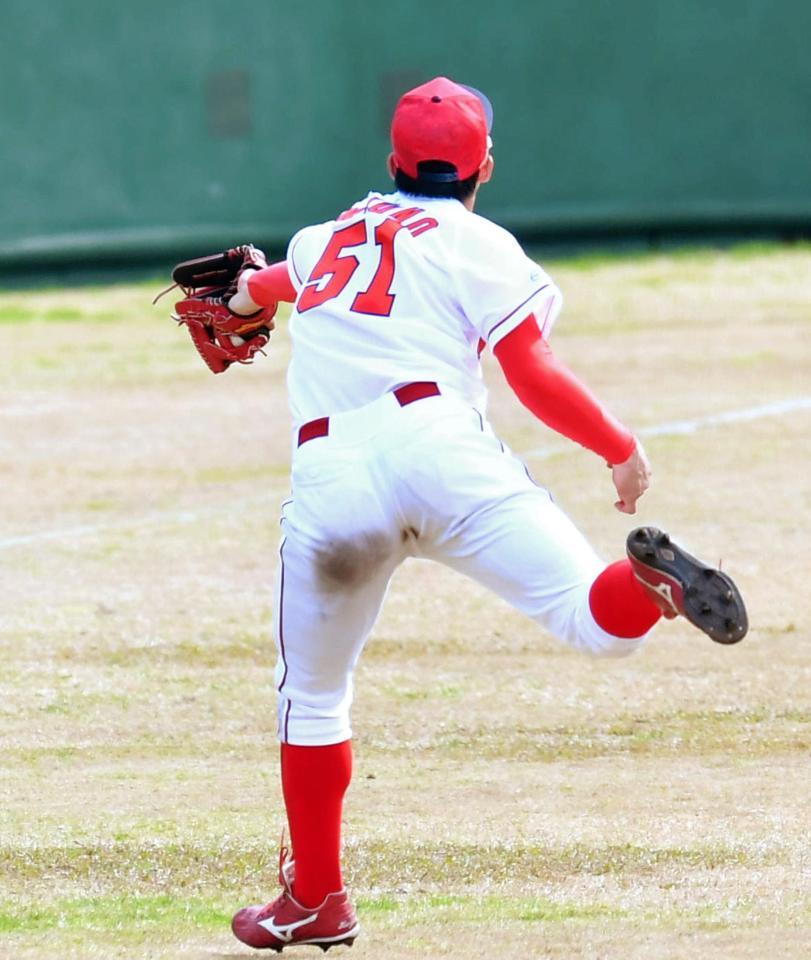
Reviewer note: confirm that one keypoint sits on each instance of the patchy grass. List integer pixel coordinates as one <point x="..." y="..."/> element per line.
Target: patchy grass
<point x="231" y="865"/>
<point x="510" y="796"/>
<point x="127" y="913"/>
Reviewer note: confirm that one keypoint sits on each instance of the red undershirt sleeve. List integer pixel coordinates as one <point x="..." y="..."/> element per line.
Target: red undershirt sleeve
<point x="549" y="389"/>
<point x="268" y="286"/>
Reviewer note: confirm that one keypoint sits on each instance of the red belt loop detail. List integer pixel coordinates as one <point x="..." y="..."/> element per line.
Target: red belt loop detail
<point x="415" y="391"/>
<point x="313" y="430"/>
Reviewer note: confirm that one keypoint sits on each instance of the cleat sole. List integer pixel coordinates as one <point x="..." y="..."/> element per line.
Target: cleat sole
<point x="722" y="617"/>
<point x="711" y="601"/>
<point x="314" y="943"/>
<point x="336" y="943"/>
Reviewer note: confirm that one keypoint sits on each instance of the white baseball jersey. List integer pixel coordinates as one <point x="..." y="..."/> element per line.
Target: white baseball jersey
<point x="401" y="289"/>
<point x="394" y="291"/>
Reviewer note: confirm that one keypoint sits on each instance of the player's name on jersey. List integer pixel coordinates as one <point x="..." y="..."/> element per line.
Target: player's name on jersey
<point x="396" y="212"/>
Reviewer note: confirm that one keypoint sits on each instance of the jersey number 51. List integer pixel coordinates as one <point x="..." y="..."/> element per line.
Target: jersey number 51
<point x="376" y="299"/>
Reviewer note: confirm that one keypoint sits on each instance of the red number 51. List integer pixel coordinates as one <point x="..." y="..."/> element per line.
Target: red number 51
<point x="376" y="298"/>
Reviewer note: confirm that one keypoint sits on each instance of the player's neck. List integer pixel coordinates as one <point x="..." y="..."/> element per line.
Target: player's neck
<point x="470" y="202"/>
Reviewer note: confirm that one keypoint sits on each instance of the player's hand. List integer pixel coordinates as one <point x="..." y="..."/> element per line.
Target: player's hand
<point x="631" y="479"/>
<point x="241" y="302"/>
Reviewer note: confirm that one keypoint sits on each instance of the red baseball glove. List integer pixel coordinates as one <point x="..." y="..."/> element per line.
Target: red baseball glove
<point x="222" y="337"/>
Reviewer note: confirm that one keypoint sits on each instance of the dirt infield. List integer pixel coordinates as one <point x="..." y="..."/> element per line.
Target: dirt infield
<point x="512" y="798"/>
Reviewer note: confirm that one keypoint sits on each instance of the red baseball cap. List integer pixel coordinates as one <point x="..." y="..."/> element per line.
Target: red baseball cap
<point x="441" y="120"/>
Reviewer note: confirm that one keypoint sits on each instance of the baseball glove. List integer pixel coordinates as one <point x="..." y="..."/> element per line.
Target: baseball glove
<point x="221" y="336"/>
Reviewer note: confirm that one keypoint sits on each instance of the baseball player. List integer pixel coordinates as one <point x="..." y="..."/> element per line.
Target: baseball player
<point x="394" y="301"/>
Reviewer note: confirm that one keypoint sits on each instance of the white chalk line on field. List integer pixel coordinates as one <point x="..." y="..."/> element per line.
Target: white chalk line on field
<point x="32" y="410"/>
<point x="92" y="528"/>
<point x="669" y="428"/>
<point x="775" y="409"/>
<point x="674" y="428"/>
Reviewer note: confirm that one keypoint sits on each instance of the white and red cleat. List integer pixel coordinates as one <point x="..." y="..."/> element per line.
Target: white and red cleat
<point x="285" y="922"/>
<point x="678" y="583"/>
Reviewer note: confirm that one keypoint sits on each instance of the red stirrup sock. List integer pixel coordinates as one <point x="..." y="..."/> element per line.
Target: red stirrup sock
<point x="619" y="603"/>
<point x="314" y="781"/>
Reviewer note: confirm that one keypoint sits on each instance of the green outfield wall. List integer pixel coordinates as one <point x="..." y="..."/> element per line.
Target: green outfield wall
<point x="139" y="128"/>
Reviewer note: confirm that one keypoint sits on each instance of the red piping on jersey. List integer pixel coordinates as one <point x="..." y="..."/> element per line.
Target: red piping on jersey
<point x="548" y="388"/>
<point x="269" y="286"/>
<point x="512" y="313"/>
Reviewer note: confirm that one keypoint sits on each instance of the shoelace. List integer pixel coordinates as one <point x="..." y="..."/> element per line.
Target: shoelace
<point x="284" y="856"/>
<point x="274" y="906"/>
<point x="286" y="894"/>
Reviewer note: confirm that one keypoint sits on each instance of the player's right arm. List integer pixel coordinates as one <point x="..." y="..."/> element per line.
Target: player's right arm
<point x="547" y="387"/>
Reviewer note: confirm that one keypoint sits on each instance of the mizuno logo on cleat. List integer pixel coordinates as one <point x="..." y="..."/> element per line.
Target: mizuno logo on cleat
<point x="665" y="591"/>
<point x="284" y="931"/>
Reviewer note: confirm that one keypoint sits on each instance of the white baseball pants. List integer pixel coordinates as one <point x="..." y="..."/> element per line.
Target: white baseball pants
<point x="431" y="480"/>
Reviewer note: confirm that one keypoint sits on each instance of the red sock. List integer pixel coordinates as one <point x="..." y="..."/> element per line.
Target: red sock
<point x="619" y="603"/>
<point x="314" y="781"/>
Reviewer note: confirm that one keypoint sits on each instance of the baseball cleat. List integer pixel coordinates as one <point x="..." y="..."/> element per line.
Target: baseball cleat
<point x="678" y="583"/>
<point x="284" y="922"/>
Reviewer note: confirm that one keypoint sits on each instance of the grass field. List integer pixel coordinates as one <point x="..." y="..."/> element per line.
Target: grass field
<point x="512" y="799"/>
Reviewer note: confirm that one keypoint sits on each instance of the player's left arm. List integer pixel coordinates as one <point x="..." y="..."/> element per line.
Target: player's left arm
<point x="548" y="388"/>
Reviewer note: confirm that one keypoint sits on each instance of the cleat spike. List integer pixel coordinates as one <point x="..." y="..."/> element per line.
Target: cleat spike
<point x="650" y="553"/>
<point x="640" y="536"/>
<point x="664" y="540"/>
<point x="706" y="608"/>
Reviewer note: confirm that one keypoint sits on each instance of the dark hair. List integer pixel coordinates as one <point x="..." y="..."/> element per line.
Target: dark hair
<point x="428" y="186"/>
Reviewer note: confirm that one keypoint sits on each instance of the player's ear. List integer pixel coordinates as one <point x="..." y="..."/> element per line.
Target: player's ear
<point x="392" y="166"/>
<point x="486" y="169"/>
